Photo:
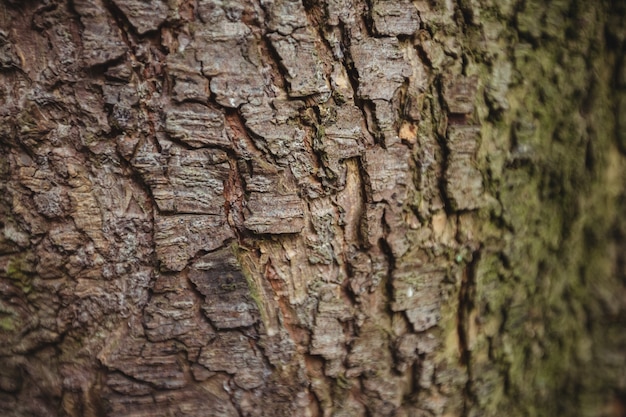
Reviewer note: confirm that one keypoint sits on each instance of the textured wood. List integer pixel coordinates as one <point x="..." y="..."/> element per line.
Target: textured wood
<point x="144" y="16"/>
<point x="464" y="183"/>
<point x="304" y="72"/>
<point x="393" y="18"/>
<point x="184" y="181"/>
<point x="380" y="66"/>
<point x="227" y="301"/>
<point x="311" y="208"/>
<point x="196" y="125"/>
<point x="274" y="214"/>
<point x="179" y="238"/>
<point x="101" y="40"/>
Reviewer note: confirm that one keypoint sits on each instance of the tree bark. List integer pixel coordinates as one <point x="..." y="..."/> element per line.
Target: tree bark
<point x="317" y="208"/>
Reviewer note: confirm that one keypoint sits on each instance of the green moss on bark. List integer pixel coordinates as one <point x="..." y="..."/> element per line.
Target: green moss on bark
<point x="537" y="294"/>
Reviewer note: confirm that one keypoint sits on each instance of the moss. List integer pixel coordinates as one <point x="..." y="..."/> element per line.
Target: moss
<point x="19" y="270"/>
<point x="341" y="390"/>
<point x="343" y="383"/>
<point x="253" y="290"/>
<point x="14" y="271"/>
<point x="544" y="157"/>
<point x="7" y="324"/>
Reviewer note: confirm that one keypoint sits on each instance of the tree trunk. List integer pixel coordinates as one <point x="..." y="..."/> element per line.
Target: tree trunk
<point x="317" y="208"/>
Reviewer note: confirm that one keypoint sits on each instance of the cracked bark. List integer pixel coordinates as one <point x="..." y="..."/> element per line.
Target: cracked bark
<point x="285" y="208"/>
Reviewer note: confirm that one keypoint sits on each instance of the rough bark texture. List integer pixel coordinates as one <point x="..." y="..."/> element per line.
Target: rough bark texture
<point x="286" y="208"/>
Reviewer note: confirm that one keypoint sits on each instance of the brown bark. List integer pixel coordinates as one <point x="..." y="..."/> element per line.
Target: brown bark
<point x="286" y="208"/>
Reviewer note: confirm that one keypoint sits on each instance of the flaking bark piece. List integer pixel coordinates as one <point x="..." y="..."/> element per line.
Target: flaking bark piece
<point x="463" y="180"/>
<point x="184" y="181"/>
<point x="178" y="238"/>
<point x="228" y="53"/>
<point x="341" y="139"/>
<point x="144" y="15"/>
<point x="380" y="66"/>
<point x="393" y="18"/>
<point x="298" y="55"/>
<point x="171" y="315"/>
<point x="233" y="353"/>
<point x="227" y="300"/>
<point x="101" y="38"/>
<point x="275" y="214"/>
<point x="188" y="82"/>
<point x="459" y="94"/>
<point x="416" y="291"/>
<point x="187" y="401"/>
<point x="285" y="16"/>
<point x="154" y="363"/>
<point x="196" y="125"/>
<point x="388" y="171"/>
